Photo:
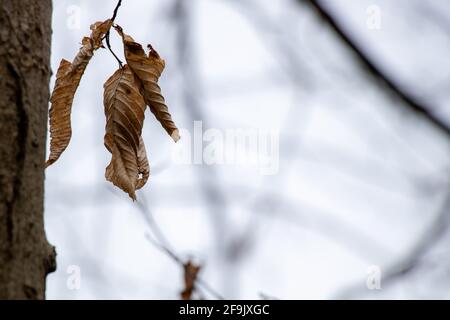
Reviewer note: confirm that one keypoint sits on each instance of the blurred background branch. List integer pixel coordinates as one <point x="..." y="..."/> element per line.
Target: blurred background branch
<point x="366" y="62"/>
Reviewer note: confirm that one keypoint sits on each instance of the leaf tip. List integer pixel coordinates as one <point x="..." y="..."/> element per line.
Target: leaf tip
<point x="175" y="135"/>
<point x="48" y="163"/>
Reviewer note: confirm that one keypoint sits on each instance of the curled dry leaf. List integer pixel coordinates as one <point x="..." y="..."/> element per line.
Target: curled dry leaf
<point x="148" y="69"/>
<point x="124" y="110"/>
<point x="67" y="80"/>
<point x="126" y="94"/>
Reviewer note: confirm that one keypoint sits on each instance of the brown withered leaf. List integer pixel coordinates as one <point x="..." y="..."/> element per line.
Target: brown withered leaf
<point x="143" y="166"/>
<point x="124" y="110"/>
<point x="68" y="78"/>
<point x="190" y="277"/>
<point x="148" y="69"/>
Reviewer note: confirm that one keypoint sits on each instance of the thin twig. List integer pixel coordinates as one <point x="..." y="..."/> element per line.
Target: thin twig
<point x="108" y="44"/>
<point x="161" y="242"/>
<point x="115" y="10"/>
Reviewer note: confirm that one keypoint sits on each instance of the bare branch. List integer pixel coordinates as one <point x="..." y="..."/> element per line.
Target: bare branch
<point x="410" y="102"/>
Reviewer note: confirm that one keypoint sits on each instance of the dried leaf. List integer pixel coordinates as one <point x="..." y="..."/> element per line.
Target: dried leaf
<point x="148" y="69"/>
<point x="67" y="80"/>
<point x="190" y="277"/>
<point x="124" y="110"/>
<point x="143" y="166"/>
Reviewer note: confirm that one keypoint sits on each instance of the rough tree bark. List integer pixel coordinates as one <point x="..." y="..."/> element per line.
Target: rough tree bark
<point x="25" y="255"/>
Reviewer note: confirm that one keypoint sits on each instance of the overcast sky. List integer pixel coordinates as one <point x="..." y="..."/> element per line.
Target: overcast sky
<point x="355" y="180"/>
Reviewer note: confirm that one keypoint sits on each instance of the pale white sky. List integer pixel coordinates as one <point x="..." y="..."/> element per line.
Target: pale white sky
<point x="358" y="179"/>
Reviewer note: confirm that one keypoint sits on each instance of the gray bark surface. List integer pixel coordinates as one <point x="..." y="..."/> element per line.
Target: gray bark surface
<point x="26" y="257"/>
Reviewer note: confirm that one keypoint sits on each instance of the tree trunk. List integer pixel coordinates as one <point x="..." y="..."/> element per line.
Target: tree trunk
<point x="25" y="255"/>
